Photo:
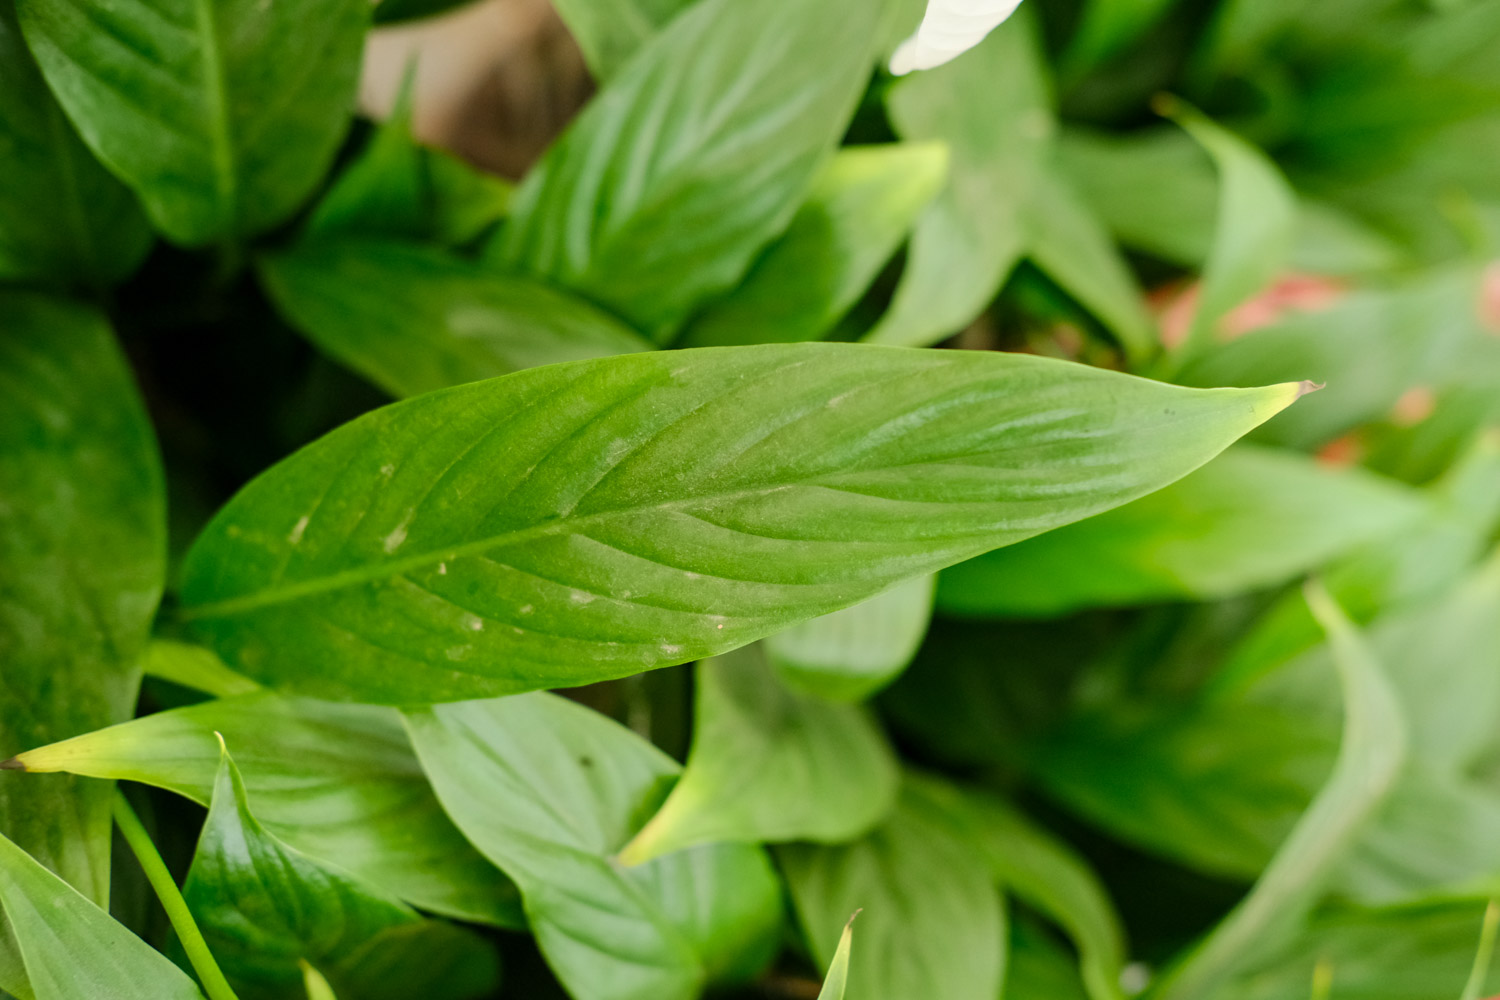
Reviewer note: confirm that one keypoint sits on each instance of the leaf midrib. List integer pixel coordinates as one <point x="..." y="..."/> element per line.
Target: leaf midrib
<point x="218" y="109"/>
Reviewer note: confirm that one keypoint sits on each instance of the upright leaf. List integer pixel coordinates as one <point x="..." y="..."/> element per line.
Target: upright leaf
<point x="933" y="923"/>
<point x="610" y="31"/>
<point x="338" y="782"/>
<point x="82" y="560"/>
<point x="264" y="906"/>
<point x="1108" y="27"/>
<point x="768" y="765"/>
<point x="860" y="209"/>
<point x="1251" y="519"/>
<point x="663" y="191"/>
<point x="412" y="318"/>
<point x="63" y="218"/>
<point x="194" y="667"/>
<point x="1371" y="755"/>
<point x="851" y="654"/>
<point x="222" y="114"/>
<point x="838" y="970"/>
<point x="577" y="522"/>
<point x="992" y="108"/>
<point x="550" y="791"/>
<point x="70" y="948"/>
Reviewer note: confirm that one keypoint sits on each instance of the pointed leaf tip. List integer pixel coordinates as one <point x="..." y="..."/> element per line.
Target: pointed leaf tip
<point x="13" y="764"/>
<point x="1307" y="388"/>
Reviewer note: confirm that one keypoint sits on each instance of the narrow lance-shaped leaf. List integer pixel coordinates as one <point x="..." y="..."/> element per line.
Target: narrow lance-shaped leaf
<point x="264" y="906"/>
<point x="768" y="765"/>
<point x="699" y="152"/>
<point x="82" y="559"/>
<point x="851" y="654"/>
<point x="71" y="948"/>
<point x="550" y="791"/>
<point x="610" y="31"/>
<point x="415" y="318"/>
<point x="63" y="218"/>
<point x="222" y="116"/>
<point x="1371" y="755"/>
<point x="933" y="923"/>
<point x="578" y="522"/>
<point x="194" y="667"/>
<point x="338" y="782"/>
<point x="838" y="970"/>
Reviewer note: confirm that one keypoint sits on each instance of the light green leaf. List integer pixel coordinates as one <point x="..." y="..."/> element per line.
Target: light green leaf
<point x="222" y="114"/>
<point x="549" y="791"/>
<point x="315" y="985"/>
<point x="412" y="318"/>
<point x="689" y="161"/>
<point x="63" y="218"/>
<point x="82" y="561"/>
<point x="992" y="108"/>
<point x="769" y="765"/>
<point x="851" y="654"/>
<point x="860" y="209"/>
<point x="194" y="667"/>
<point x="1070" y="243"/>
<point x="71" y="948"/>
<point x="1371" y="755"/>
<point x="1255" y="230"/>
<point x="1251" y="519"/>
<point x="932" y="924"/>
<point x="338" y="782"/>
<point x="578" y="522"/>
<point x="264" y="906"/>
<point x="838" y="970"/>
<point x="610" y="31"/>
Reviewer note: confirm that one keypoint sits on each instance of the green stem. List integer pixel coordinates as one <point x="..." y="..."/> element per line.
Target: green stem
<point x="1486" y="951"/>
<point x="214" y="983"/>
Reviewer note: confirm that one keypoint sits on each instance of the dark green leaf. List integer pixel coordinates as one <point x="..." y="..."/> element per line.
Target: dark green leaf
<point x="338" y="782"/>
<point x="264" y="906"/>
<point x="412" y="318"/>
<point x="82" y="560"/>
<point x="610" y="31"/>
<point x="578" y="522"/>
<point x="861" y="208"/>
<point x="1250" y="519"/>
<point x="549" y="791"/>
<point x="689" y="161"/>
<point x="932" y="924"/>
<point x="851" y="654"/>
<point x="992" y="108"/>
<point x="397" y="11"/>
<point x="769" y="765"/>
<point x="72" y="948"/>
<point x="63" y="218"/>
<point x="222" y="115"/>
<point x="1108" y="27"/>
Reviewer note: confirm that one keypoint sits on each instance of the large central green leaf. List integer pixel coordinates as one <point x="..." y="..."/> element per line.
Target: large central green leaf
<point x="578" y="522"/>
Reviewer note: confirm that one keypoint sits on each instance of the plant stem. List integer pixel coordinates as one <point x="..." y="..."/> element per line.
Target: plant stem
<point x="214" y="983"/>
<point x="1486" y="951"/>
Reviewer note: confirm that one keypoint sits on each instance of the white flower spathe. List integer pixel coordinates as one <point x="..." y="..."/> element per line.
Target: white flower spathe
<point x="949" y="29"/>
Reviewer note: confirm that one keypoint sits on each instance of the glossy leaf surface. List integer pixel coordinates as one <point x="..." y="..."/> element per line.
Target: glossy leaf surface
<point x="573" y="523"/>
<point x="662" y="192"/>
<point x="338" y="782"/>
<point x="221" y="115"/>
<point x="769" y="765"/>
<point x="550" y="790"/>
<point x="413" y="319"/>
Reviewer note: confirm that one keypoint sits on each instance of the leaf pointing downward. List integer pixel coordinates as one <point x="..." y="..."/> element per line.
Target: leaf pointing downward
<point x="573" y="523"/>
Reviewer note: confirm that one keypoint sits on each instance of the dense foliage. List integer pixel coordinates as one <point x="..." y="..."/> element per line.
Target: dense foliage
<point x="892" y="469"/>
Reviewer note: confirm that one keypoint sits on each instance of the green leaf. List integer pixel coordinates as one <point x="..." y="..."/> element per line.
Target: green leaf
<point x="194" y="667"/>
<point x="264" y="906"/>
<point x="82" y="561"/>
<point x="315" y="985"/>
<point x="992" y="108"/>
<point x="338" y="782"/>
<point x="573" y="523"/>
<point x="860" y="209"/>
<point x="223" y="115"/>
<point x="1371" y="755"/>
<point x="63" y="218"/>
<point x="851" y="654"/>
<point x="549" y="791"/>
<point x="1039" y="966"/>
<point x="427" y="958"/>
<point x="769" y="765"/>
<point x="933" y="923"/>
<point x="1108" y="28"/>
<point x="1251" y="519"/>
<point x="1255" y="230"/>
<point x="71" y="948"/>
<point x="610" y="31"/>
<point x="662" y="192"/>
<point x="838" y="970"/>
<point x="412" y="318"/>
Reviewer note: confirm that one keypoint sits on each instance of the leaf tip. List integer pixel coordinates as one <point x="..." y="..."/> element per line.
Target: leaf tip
<point x="1165" y="104"/>
<point x="1307" y="387"/>
<point x="13" y="764"/>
